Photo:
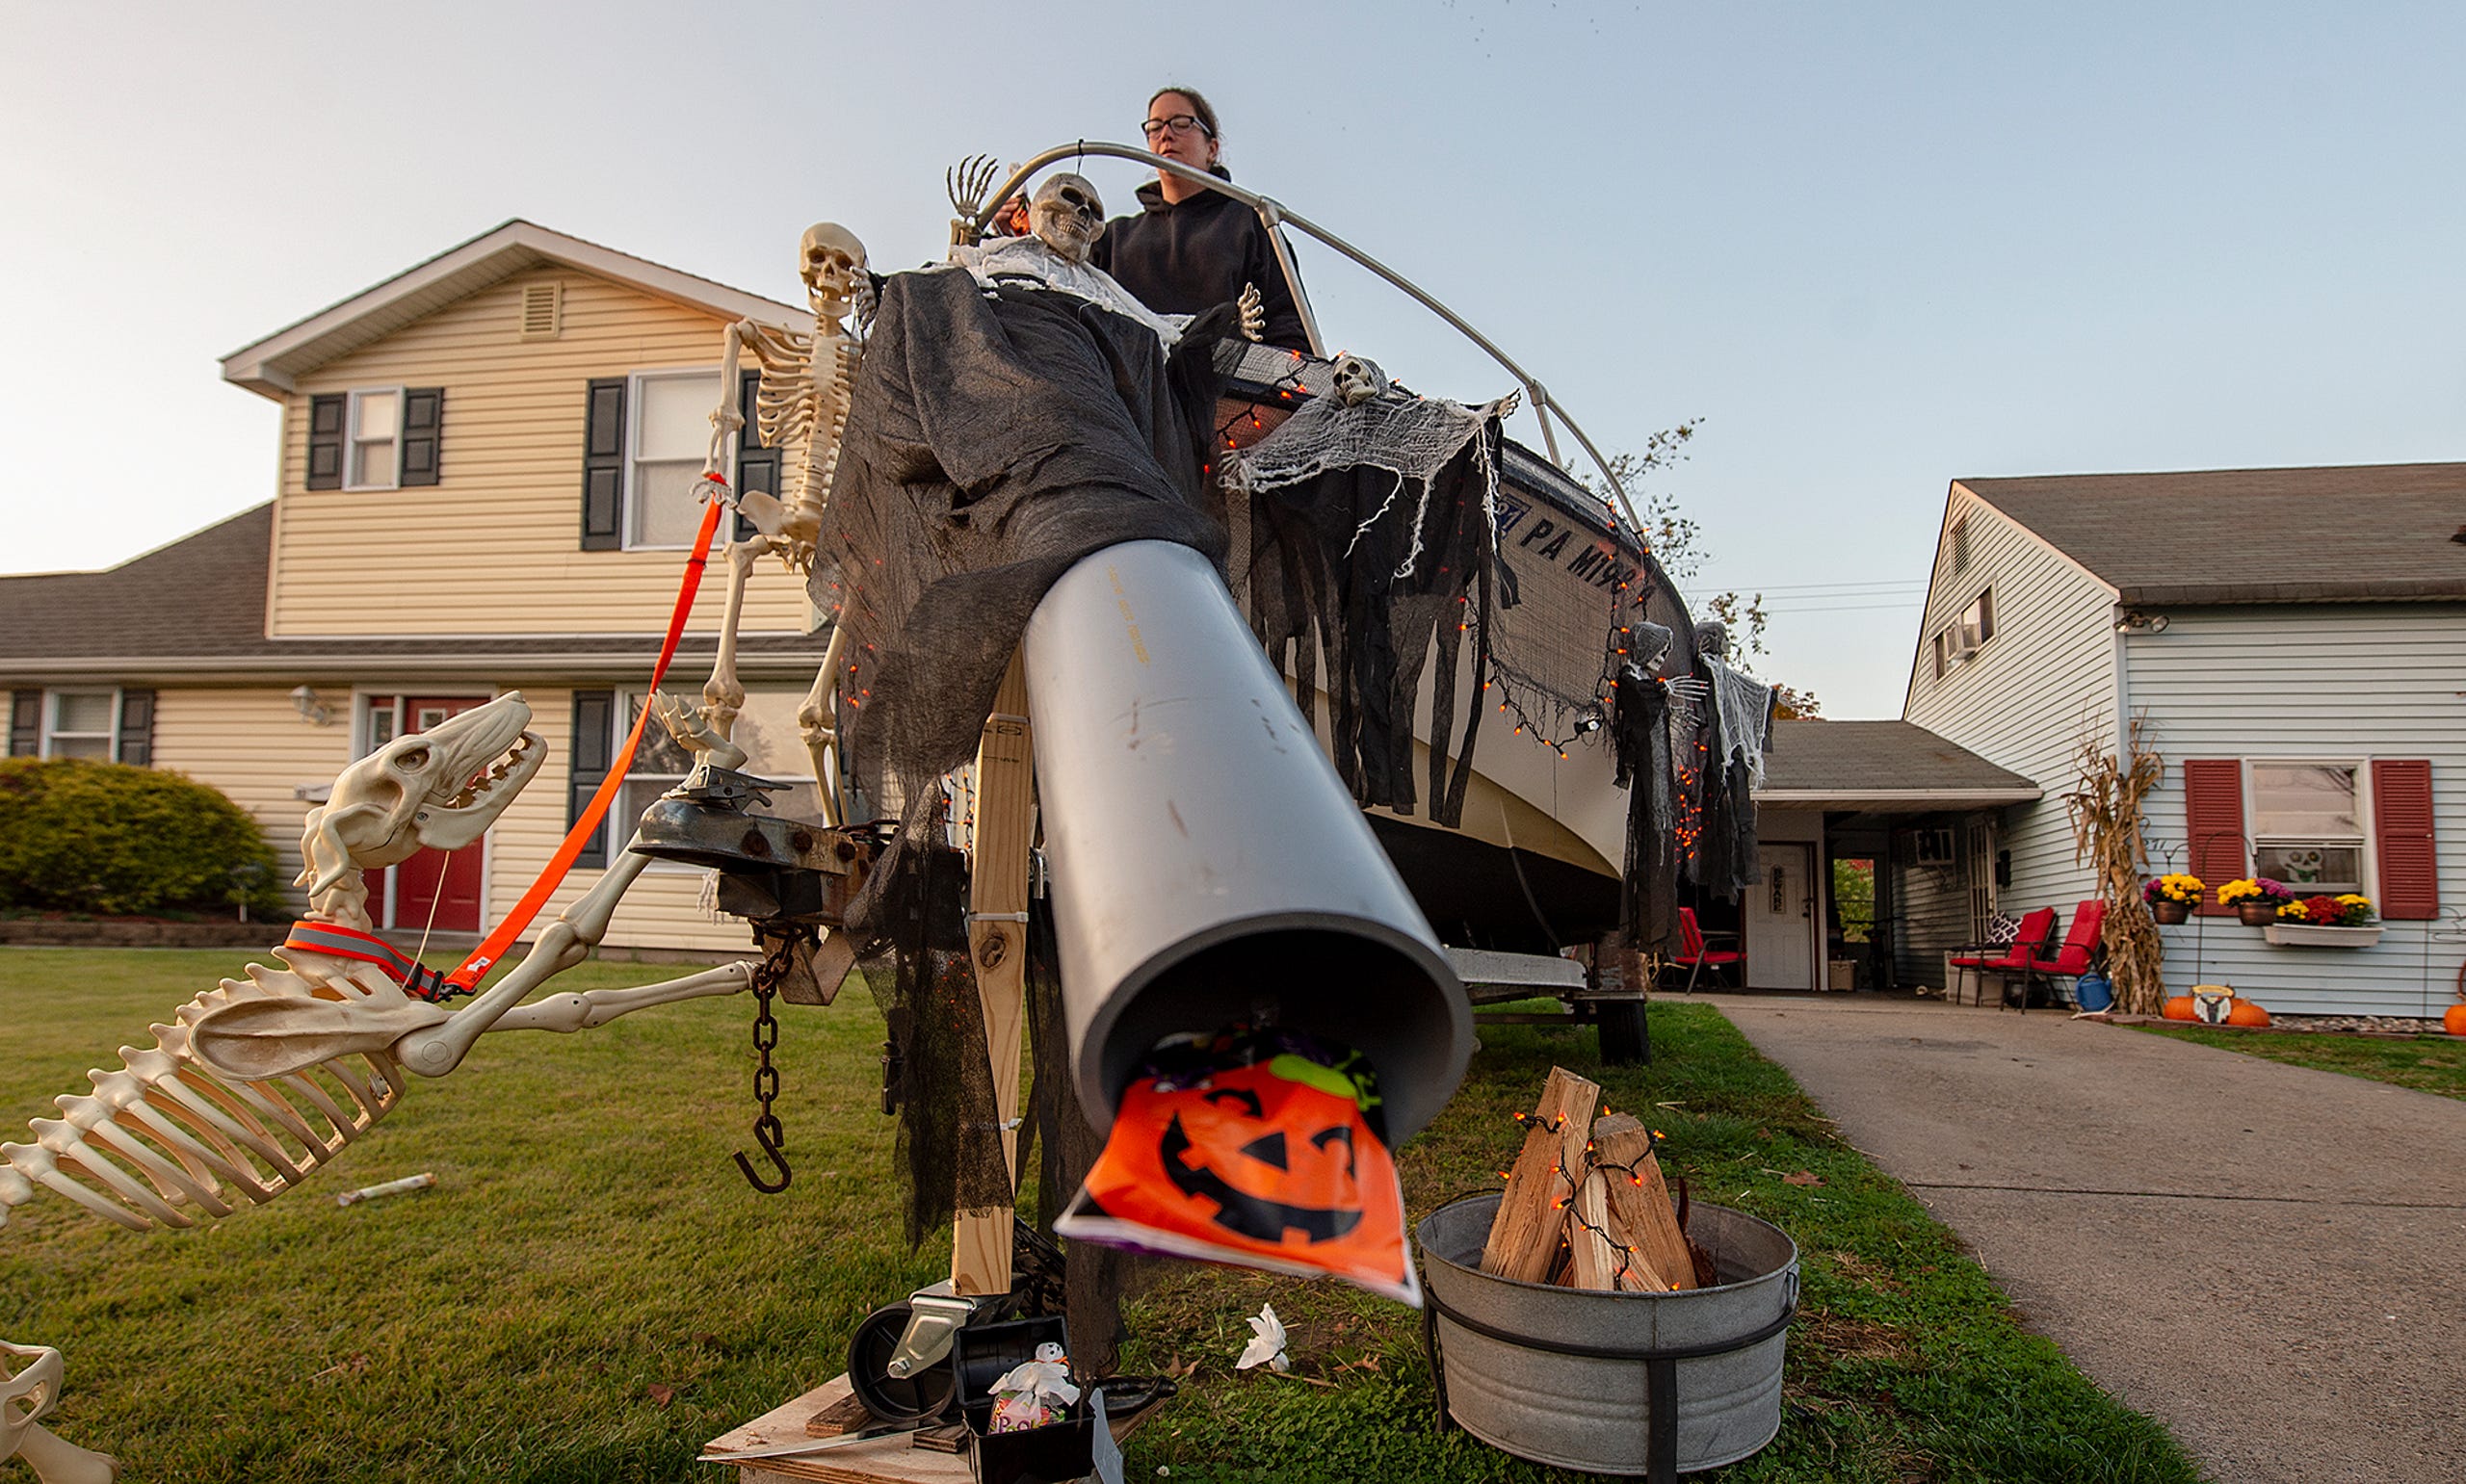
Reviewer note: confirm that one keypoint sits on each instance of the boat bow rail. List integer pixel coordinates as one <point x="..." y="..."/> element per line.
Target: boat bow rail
<point x="1273" y="214"/>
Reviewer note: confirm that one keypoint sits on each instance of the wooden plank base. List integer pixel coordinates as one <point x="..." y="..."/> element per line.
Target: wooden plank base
<point x="896" y="1460"/>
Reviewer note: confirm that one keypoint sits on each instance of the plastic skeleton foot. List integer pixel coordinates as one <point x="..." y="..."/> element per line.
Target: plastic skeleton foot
<point x="29" y="1389"/>
<point x="256" y="1083"/>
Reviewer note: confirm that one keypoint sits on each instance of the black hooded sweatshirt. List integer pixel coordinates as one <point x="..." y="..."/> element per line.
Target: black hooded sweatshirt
<point x="1189" y="257"/>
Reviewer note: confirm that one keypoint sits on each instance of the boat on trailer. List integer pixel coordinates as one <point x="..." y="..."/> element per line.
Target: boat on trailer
<point x="1531" y="863"/>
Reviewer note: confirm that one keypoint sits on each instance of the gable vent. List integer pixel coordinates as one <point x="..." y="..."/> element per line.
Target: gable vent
<point x="542" y="306"/>
<point x="1960" y="544"/>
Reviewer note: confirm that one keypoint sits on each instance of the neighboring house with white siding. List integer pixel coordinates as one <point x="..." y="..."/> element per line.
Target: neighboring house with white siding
<point x="2294" y="643"/>
<point x="483" y="485"/>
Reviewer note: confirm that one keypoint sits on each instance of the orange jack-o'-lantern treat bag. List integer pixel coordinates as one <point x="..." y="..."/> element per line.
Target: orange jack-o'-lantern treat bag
<point x="1253" y="1148"/>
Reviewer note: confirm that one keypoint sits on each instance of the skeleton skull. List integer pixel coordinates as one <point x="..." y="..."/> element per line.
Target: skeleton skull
<point x="1068" y="215"/>
<point x="1358" y="380"/>
<point x="1713" y="640"/>
<point x="831" y="262"/>
<point x="1648" y="644"/>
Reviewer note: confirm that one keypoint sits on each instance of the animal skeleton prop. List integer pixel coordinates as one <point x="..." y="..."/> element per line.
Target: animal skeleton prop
<point x="258" y="1083"/>
<point x="26" y="1397"/>
<point x="802" y="405"/>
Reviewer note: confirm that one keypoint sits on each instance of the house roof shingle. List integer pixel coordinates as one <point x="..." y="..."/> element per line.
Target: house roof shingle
<point x="1893" y="766"/>
<point x="196" y="608"/>
<point x="2365" y="533"/>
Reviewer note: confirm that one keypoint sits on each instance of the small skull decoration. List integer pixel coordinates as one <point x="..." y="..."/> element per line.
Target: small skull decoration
<point x="1358" y="380"/>
<point x="1068" y="215"/>
<point x="831" y="262"/>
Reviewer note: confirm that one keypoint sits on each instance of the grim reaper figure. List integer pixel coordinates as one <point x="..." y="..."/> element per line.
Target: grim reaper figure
<point x="1016" y="411"/>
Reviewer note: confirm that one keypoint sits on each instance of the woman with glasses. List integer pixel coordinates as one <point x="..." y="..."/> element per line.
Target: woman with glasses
<point x="1190" y="247"/>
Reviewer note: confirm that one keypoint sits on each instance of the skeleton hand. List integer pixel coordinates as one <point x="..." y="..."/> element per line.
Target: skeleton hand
<point x="684" y="722"/>
<point x="1254" y="317"/>
<point x="966" y="184"/>
<point x="1505" y="407"/>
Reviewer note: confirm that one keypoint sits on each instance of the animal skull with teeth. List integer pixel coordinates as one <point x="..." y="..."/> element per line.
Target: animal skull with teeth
<point x="436" y="790"/>
<point x="1068" y="215"/>
<point x="1358" y="380"/>
<point x="831" y="262"/>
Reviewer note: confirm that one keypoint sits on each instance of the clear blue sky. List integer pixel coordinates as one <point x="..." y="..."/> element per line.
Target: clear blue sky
<point x="1874" y="248"/>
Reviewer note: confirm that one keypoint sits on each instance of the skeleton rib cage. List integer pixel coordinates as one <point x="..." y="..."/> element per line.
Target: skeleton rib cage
<point x="165" y="1141"/>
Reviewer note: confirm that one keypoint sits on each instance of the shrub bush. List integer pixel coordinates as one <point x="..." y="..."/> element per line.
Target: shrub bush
<point x="114" y="839"/>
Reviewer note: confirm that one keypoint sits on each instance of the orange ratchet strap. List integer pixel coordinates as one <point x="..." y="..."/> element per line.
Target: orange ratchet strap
<point x="467" y="979"/>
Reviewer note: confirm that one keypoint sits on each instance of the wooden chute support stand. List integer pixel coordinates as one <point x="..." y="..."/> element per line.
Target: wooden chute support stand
<point x="997" y="939"/>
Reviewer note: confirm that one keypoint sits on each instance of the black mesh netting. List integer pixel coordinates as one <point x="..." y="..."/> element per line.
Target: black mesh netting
<point x="996" y="437"/>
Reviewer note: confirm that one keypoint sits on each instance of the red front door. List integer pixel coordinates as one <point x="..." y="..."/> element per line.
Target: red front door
<point x="434" y="889"/>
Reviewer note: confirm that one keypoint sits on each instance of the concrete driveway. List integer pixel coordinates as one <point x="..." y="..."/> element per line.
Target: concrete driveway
<point x="2269" y="1259"/>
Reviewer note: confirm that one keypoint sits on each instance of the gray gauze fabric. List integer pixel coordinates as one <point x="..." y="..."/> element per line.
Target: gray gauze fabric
<point x="994" y="438"/>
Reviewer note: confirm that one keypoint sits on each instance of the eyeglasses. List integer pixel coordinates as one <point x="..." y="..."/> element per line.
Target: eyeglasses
<point x="1179" y="123"/>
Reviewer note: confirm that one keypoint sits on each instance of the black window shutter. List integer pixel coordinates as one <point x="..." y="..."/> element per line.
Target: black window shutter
<point x="603" y="467"/>
<point x="325" y="441"/>
<point x="25" y="723"/>
<point x="757" y="463"/>
<point x="137" y="728"/>
<point x="594" y="748"/>
<point x="423" y="423"/>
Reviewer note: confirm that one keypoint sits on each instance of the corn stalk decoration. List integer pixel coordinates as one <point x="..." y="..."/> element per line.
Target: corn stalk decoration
<point x="2107" y="834"/>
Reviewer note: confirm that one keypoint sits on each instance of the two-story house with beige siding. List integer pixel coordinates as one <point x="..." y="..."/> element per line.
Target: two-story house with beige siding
<point x="483" y="485"/>
<point x="2293" y="643"/>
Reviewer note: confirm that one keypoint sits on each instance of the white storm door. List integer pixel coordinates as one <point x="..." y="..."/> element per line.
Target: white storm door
<point x="1780" y="919"/>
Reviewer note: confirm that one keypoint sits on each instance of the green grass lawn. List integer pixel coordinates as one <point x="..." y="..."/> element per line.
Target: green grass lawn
<point x="2427" y="1063"/>
<point x="592" y="1291"/>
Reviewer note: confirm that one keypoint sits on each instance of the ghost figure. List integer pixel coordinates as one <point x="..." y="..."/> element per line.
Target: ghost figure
<point x="1068" y="215"/>
<point x="1033" y="1392"/>
<point x="1358" y="380"/>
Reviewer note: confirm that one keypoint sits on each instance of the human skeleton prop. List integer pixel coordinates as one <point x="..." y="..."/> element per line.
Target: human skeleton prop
<point x="1068" y="216"/>
<point x="258" y="1083"/>
<point x="801" y="406"/>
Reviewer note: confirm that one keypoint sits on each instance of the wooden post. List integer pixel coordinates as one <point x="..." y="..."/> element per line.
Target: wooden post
<point x="1532" y="1212"/>
<point x="1640" y="1209"/>
<point x="997" y="938"/>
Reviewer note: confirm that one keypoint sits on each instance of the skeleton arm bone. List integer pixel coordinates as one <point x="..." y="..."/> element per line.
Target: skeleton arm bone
<point x="595" y="1007"/>
<point x="566" y="942"/>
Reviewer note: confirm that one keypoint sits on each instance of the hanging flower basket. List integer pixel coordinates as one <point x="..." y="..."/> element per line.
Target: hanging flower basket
<point x="2171" y="911"/>
<point x="2257" y="914"/>
<point x="2256" y="899"/>
<point x="2172" y="896"/>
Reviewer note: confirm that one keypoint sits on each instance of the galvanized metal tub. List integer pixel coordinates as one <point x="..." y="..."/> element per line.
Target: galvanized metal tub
<point x="1605" y="1381"/>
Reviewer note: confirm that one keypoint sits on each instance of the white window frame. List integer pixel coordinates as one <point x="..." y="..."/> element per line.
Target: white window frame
<point x="51" y="717"/>
<point x="351" y="438"/>
<point x="2368" y="842"/>
<point x="1951" y="652"/>
<point x="626" y="540"/>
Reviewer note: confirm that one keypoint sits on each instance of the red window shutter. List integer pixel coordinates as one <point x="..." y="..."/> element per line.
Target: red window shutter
<point x="2214" y="819"/>
<point x="2402" y="830"/>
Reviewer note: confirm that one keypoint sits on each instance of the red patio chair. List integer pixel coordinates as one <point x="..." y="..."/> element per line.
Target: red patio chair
<point x="2080" y="951"/>
<point x="1693" y="953"/>
<point x="2004" y="960"/>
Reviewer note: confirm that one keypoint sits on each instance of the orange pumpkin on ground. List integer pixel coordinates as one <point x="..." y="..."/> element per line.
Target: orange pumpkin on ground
<point x="2180" y="1007"/>
<point x="2454" y="1020"/>
<point x="2246" y="1013"/>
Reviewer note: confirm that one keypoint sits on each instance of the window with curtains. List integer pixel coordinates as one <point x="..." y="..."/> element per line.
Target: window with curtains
<point x="2308" y="825"/>
<point x="667" y="436"/>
